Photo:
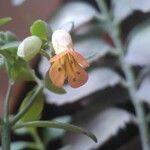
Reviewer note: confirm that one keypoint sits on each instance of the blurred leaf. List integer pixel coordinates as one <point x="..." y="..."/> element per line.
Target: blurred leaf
<point x="99" y="79"/>
<point x="50" y="134"/>
<point x="2" y="62"/>
<point x="82" y="13"/>
<point x="121" y="10"/>
<point x="18" y="70"/>
<point x="143" y="5"/>
<point x="138" y="51"/>
<point x="17" y="2"/>
<point x="34" y="113"/>
<point x="10" y="36"/>
<point x="40" y="29"/>
<point x="19" y="145"/>
<point x="11" y="46"/>
<point x="143" y="91"/>
<point x="5" y="20"/>
<point x="92" y="46"/>
<point x="2" y="38"/>
<point x="69" y="26"/>
<point x="58" y="125"/>
<point x="67" y="147"/>
<point x="105" y="123"/>
<point x="51" y="87"/>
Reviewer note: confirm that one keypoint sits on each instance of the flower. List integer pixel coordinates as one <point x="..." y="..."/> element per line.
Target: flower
<point x="29" y="47"/>
<point x="67" y="64"/>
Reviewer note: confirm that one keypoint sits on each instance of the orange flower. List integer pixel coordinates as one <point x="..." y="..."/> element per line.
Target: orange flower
<point x="67" y="65"/>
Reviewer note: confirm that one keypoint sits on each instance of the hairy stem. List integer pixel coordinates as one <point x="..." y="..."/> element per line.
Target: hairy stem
<point x="130" y="80"/>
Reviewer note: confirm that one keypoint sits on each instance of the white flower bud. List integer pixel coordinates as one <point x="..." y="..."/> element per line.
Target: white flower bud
<point x="29" y="47"/>
<point x="61" y="41"/>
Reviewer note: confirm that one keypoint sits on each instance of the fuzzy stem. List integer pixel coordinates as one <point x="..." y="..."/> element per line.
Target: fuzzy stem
<point x="130" y="80"/>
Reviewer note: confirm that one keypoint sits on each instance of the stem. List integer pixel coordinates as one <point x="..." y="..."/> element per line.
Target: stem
<point x="131" y="85"/>
<point x="44" y="53"/>
<point x="26" y="108"/>
<point x="6" y="125"/>
<point x="5" y="136"/>
<point x="6" y="101"/>
<point x="37" y="80"/>
<point x="38" y="142"/>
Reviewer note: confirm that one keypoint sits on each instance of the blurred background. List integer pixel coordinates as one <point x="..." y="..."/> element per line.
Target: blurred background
<point x="102" y="105"/>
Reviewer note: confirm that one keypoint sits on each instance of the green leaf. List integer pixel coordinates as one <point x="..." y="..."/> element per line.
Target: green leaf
<point x="58" y="125"/>
<point x="2" y="62"/>
<point x="50" y="134"/>
<point x="2" y="38"/>
<point x="11" y="46"/>
<point x="34" y="113"/>
<point x="51" y="87"/>
<point x="18" y="70"/>
<point x="5" y="20"/>
<point x="40" y="29"/>
<point x="10" y="36"/>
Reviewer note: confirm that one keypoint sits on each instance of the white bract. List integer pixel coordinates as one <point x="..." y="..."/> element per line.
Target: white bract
<point x="61" y="41"/>
<point x="29" y="47"/>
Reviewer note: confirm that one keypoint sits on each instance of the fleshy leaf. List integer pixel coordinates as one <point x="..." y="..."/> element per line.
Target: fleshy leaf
<point x="40" y="29"/>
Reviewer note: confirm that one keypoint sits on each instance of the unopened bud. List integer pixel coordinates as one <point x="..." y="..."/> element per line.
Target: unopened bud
<point x="29" y="47"/>
<point x="61" y="41"/>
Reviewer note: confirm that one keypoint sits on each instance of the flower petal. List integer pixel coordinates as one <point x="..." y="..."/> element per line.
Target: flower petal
<point x="77" y="77"/>
<point x="58" y="56"/>
<point x="57" y="74"/>
<point x="79" y="58"/>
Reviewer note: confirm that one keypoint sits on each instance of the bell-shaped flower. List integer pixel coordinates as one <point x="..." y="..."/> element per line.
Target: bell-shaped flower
<point x="67" y="65"/>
